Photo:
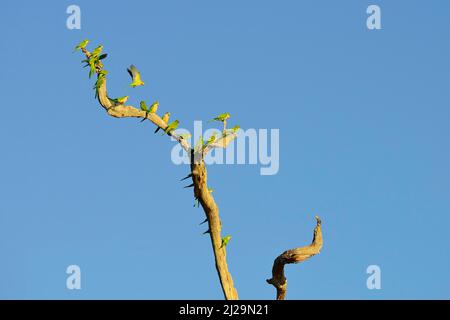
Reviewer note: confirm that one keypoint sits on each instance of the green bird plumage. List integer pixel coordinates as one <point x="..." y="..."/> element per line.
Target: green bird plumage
<point x="135" y="76"/>
<point x="154" y="107"/>
<point x="97" y="51"/>
<point x="81" y="45"/>
<point x="172" y="126"/>
<point x="221" y="117"/>
<point x="100" y="80"/>
<point x="165" y="118"/>
<point x="143" y="106"/>
<point x="120" y="100"/>
<point x="199" y="145"/>
<point x="225" y="241"/>
<point x="211" y="139"/>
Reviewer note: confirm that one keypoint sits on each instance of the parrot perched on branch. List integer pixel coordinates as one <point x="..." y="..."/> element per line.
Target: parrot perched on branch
<point x="221" y="117"/>
<point x="81" y="45"/>
<point x="211" y="139"/>
<point x="97" y="51"/>
<point x="120" y="100"/>
<point x="172" y="126"/>
<point x="225" y="241"/>
<point x="154" y="107"/>
<point x="100" y="81"/>
<point x="165" y="118"/>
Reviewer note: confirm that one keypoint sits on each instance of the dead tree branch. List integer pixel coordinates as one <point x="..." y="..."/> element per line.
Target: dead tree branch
<point x="296" y="255"/>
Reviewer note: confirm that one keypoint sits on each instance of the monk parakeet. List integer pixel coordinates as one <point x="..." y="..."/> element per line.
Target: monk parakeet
<point x="225" y="241"/>
<point x="165" y="118"/>
<point x="93" y="61"/>
<point x="211" y="139"/>
<point x="135" y="76"/>
<point x="81" y="45"/>
<point x="172" y="126"/>
<point x="120" y="100"/>
<point x="98" y="84"/>
<point x="143" y="106"/>
<point x="231" y="130"/>
<point x="199" y="145"/>
<point x="154" y="107"/>
<point x="100" y="81"/>
<point x="97" y="51"/>
<point x="221" y="117"/>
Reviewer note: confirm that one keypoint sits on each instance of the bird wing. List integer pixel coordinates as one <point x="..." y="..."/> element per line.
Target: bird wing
<point x="130" y="70"/>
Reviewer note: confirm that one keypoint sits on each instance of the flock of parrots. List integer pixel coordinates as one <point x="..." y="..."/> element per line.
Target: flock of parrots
<point x="94" y="61"/>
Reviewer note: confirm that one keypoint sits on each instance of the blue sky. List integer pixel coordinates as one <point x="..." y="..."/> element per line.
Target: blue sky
<point x="364" y="126"/>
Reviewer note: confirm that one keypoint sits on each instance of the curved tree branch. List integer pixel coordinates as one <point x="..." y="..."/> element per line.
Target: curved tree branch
<point x="296" y="255"/>
<point x="198" y="173"/>
<point x="205" y="198"/>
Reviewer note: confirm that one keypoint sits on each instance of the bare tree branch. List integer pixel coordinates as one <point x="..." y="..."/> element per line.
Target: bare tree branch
<point x="296" y="255"/>
<point x="201" y="192"/>
<point x="199" y="178"/>
<point x="205" y="198"/>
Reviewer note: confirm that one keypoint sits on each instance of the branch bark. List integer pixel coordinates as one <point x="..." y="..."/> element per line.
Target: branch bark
<point x="296" y="255"/>
<point x="201" y="192"/>
<point x="199" y="178"/>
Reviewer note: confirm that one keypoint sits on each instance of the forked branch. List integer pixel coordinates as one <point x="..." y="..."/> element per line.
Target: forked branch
<point x="198" y="174"/>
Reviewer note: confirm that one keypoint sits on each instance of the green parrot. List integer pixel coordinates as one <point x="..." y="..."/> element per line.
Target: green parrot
<point x="225" y="241"/>
<point x="211" y="139"/>
<point x="120" y="100"/>
<point x="81" y="45"/>
<point x="143" y="106"/>
<point x="199" y="145"/>
<point x="172" y="126"/>
<point x="165" y="118"/>
<point x="135" y="76"/>
<point x="92" y="61"/>
<point x="100" y="81"/>
<point x="154" y="107"/>
<point x="231" y="130"/>
<point x="97" y="51"/>
<point x="221" y="117"/>
<point x="97" y="85"/>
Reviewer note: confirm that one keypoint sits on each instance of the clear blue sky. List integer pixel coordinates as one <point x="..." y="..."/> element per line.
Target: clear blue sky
<point x="364" y="143"/>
